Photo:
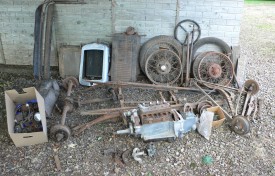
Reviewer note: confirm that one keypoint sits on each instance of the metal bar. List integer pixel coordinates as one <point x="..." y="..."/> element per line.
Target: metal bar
<point x="139" y="102"/>
<point x="187" y="61"/>
<point x="57" y="163"/>
<point x="190" y="51"/>
<point x="148" y="86"/>
<point x="80" y="128"/>
<point x="217" y="85"/>
<point x="105" y="111"/>
<point x="112" y="110"/>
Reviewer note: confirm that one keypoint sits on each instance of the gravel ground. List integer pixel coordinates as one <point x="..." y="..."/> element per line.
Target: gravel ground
<point x="252" y="154"/>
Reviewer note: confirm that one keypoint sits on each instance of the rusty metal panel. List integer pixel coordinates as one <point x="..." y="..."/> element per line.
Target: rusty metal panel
<point x="125" y="49"/>
<point x="69" y="60"/>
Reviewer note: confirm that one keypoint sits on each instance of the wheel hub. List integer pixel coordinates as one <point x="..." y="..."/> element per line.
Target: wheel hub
<point x="214" y="70"/>
<point x="164" y="67"/>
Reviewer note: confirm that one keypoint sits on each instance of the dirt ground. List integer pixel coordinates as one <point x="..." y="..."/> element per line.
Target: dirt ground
<point x="252" y="154"/>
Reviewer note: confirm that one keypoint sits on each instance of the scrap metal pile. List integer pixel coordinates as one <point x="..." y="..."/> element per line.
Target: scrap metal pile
<point x="183" y="63"/>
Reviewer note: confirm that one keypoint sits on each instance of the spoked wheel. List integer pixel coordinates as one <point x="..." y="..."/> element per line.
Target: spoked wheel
<point x="157" y="43"/>
<point x="60" y="133"/>
<point x="240" y="125"/>
<point x="195" y="64"/>
<point x="163" y="67"/>
<point x="215" y="68"/>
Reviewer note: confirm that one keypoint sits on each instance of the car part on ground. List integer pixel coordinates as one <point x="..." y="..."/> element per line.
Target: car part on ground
<point x="80" y="128"/>
<point x="49" y="90"/>
<point x="69" y="84"/>
<point x="246" y="102"/>
<point x="61" y="132"/>
<point x="151" y="150"/>
<point x="163" y="67"/>
<point x="243" y="106"/>
<point x="204" y="45"/>
<point x="155" y="44"/>
<point x="184" y="27"/>
<point x="125" y="51"/>
<point x="94" y="64"/>
<point x="212" y="100"/>
<point x="240" y="125"/>
<point x="137" y="153"/>
<point x="166" y="129"/>
<point x="213" y="67"/>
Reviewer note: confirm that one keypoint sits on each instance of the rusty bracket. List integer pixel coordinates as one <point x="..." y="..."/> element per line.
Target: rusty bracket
<point x="80" y="128"/>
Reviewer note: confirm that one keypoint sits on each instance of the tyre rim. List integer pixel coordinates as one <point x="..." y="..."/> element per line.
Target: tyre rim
<point x="163" y="67"/>
<point x="215" y="68"/>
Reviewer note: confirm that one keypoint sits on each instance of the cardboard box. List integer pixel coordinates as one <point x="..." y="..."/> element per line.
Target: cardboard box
<point x="217" y="111"/>
<point x="12" y="98"/>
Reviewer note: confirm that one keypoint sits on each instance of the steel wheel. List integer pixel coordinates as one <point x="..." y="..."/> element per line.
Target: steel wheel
<point x="240" y="125"/>
<point x="251" y="85"/>
<point x="60" y="133"/>
<point x="163" y="67"/>
<point x="215" y="68"/>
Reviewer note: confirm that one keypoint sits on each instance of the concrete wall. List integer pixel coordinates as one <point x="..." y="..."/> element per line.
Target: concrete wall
<point x="81" y="24"/>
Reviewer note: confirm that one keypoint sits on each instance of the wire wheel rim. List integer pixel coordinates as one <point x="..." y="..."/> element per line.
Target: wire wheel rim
<point x="195" y="64"/>
<point x="163" y="67"/>
<point x="215" y="68"/>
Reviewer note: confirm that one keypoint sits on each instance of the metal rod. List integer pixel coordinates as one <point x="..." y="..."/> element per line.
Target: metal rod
<point x="80" y="128"/>
<point x="217" y="85"/>
<point x="105" y="111"/>
<point x="147" y="86"/>
<point x="187" y="61"/>
<point x="187" y="81"/>
<point x="112" y="110"/>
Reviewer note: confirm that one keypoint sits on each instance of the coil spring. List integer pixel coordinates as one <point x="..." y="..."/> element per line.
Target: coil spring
<point x="241" y="103"/>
